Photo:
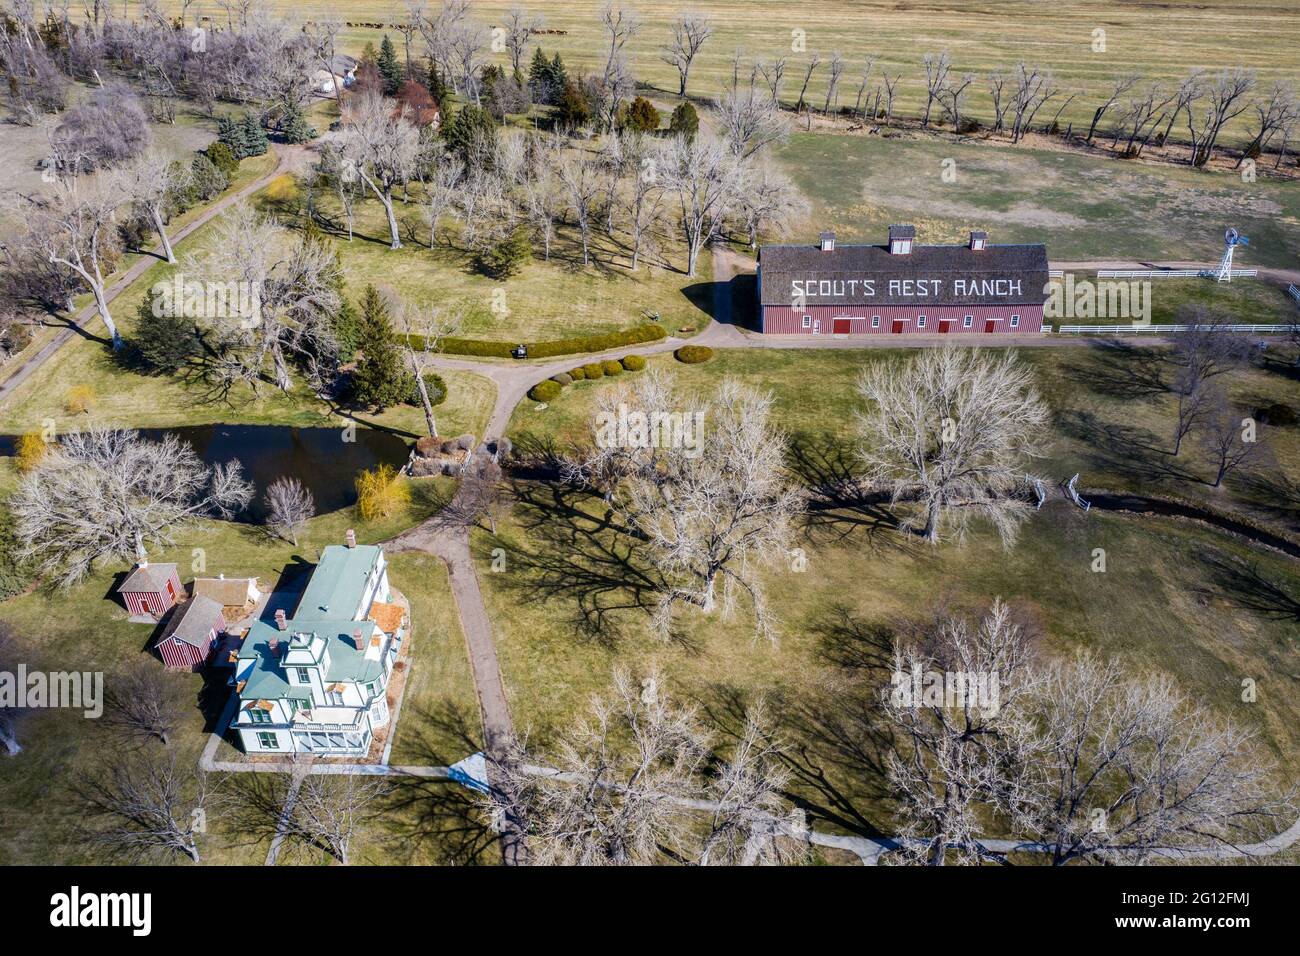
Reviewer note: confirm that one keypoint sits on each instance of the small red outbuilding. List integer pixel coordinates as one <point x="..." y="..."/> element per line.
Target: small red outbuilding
<point x="187" y="640"/>
<point x="151" y="589"/>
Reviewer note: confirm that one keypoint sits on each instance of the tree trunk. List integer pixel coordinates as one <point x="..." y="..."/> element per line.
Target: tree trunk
<point x="101" y="304"/>
<point x="155" y="213"/>
<point x="424" y="397"/>
<point x="931" y="532"/>
<point x="396" y="237"/>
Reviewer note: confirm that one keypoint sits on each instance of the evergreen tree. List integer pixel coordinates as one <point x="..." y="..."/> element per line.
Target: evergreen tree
<point x="557" y="75"/>
<point x="233" y="134"/>
<point x="507" y="257"/>
<point x="435" y="84"/>
<point x="539" y="77"/>
<point x="390" y="70"/>
<point x="685" y="121"/>
<point x="381" y="378"/>
<point x="465" y="133"/>
<point x="573" y="111"/>
<point x="255" y="141"/>
<point x="294" y="125"/>
<point x="640" y="116"/>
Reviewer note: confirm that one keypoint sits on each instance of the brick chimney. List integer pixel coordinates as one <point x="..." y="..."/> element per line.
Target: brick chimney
<point x="281" y="621"/>
<point x="274" y="644"/>
<point x="358" y="641"/>
<point x="900" y="239"/>
<point x="350" y="538"/>
<point x="828" y="242"/>
<point x="978" y="240"/>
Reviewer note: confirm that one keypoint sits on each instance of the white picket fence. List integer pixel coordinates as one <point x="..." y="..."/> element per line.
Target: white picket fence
<point x="1169" y="273"/>
<point x="1162" y="329"/>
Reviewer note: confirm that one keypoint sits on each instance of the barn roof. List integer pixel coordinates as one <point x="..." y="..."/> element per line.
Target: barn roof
<point x="193" y="621"/>
<point x="149" y="578"/>
<point x="955" y="274"/>
<point x="228" y="592"/>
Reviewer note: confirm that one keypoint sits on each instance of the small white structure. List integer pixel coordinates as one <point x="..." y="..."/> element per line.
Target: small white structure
<point x="1231" y="240"/>
<point x="341" y="75"/>
<point x="316" y="683"/>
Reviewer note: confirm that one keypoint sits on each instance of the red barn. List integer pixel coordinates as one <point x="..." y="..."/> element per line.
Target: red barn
<point x="151" y="589"/>
<point x="187" y="640"/>
<point x="902" y="287"/>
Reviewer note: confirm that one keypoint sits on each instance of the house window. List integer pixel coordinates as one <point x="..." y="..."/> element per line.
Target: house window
<point x="259" y="716"/>
<point x="966" y="321"/>
<point x="303" y="677"/>
<point x="335" y="697"/>
<point x="920" y="321"/>
<point x="875" y="321"/>
<point x="1015" y="321"/>
<point x="268" y="741"/>
<point x="807" y="321"/>
<point x="370" y="690"/>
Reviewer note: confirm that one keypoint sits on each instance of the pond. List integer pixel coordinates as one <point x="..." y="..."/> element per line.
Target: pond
<point x="320" y="458"/>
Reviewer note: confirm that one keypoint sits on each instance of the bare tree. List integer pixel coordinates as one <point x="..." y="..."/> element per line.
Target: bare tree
<point x="954" y="757"/>
<point x="769" y="202"/>
<point x="936" y="78"/>
<point x="1034" y="88"/>
<point x="104" y="493"/>
<point x="1274" y="114"/>
<point x="1117" y="90"/>
<point x="713" y="515"/>
<point x="951" y="98"/>
<point x="748" y="123"/>
<point x="891" y="90"/>
<point x="1230" y="440"/>
<point x="440" y="194"/>
<point x="382" y="147"/>
<point x="152" y="183"/>
<point x="1191" y="396"/>
<point x="289" y="506"/>
<point x="520" y="25"/>
<point x="950" y="429"/>
<point x="1226" y="100"/>
<point x="144" y="808"/>
<point x="621" y="23"/>
<point x="1129" y="766"/>
<point x="833" y="85"/>
<point x="577" y="172"/>
<point x="690" y="31"/>
<point x="627" y="785"/>
<point x="773" y="76"/>
<point x="544" y="192"/>
<point x="862" y="89"/>
<point x="143" y="704"/>
<point x="423" y="330"/>
<point x="705" y="176"/>
<point x="643" y="203"/>
<point x="1190" y="89"/>
<point x="1001" y="101"/>
<point x="814" y="61"/>
<point x="330" y="809"/>
<point x="322" y="36"/>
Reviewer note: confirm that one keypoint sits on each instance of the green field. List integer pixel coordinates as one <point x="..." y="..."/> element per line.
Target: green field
<point x="1163" y="40"/>
<point x="1082" y="207"/>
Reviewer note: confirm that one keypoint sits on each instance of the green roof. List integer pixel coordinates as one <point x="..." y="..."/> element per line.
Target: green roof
<point x="337" y="584"/>
<point x="266" y="680"/>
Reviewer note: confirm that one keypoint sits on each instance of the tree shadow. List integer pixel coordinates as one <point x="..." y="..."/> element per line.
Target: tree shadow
<point x="1122" y="449"/>
<point x="839" y="505"/>
<point x="1249" y="588"/>
<point x="1121" y="369"/>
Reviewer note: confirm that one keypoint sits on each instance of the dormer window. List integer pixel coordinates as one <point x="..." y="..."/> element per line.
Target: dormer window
<point x="978" y="241"/>
<point x="900" y="240"/>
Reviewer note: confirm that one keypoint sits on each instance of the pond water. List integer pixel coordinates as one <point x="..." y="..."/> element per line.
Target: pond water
<point x="318" y="457"/>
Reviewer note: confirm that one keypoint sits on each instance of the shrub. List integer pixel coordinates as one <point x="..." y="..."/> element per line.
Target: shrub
<point x="507" y="257"/>
<point x="1278" y="414"/>
<point x="693" y="354"/>
<point x="163" y="340"/>
<point x="79" y="400"/>
<point x="381" y="491"/>
<point x="434" y="385"/>
<point x="545" y="391"/>
<point x="634" y="363"/>
<point x="685" y="121"/>
<point x="222" y="158"/>
<point x="206" y="181"/>
<point x="594" y="370"/>
<point x="563" y="379"/>
<point x="577" y="374"/>
<point x="639" y="335"/>
<point x="612" y="367"/>
<point x="31" y="450"/>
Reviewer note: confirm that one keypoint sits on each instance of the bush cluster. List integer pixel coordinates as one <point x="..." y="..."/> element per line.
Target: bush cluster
<point x="693" y="354"/>
<point x="587" y="343"/>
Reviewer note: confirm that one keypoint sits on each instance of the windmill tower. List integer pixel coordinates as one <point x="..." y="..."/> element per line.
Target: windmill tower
<point x="1231" y="240"/>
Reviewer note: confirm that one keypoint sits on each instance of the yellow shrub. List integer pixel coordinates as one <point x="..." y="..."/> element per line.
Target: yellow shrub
<point x="381" y="492"/>
<point x="31" y="450"/>
<point x="79" y="400"/>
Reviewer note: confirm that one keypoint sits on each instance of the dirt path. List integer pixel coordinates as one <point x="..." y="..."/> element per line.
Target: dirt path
<point x="288" y="159"/>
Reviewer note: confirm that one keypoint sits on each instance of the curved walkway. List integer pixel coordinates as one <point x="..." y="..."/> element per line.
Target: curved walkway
<point x="288" y="159"/>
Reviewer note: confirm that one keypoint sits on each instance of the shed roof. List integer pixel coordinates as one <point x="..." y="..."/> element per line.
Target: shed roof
<point x="228" y="592"/>
<point x="149" y="578"/>
<point x="193" y="622"/>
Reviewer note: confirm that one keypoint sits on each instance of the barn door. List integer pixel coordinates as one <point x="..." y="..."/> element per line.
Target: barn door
<point x="899" y="325"/>
<point x="945" y="326"/>
<point x="842" y="326"/>
<point x="990" y="326"/>
<point x="817" y="326"/>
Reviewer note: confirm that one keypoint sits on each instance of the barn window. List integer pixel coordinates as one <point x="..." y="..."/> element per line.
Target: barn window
<point x="875" y="321"/>
<point x="920" y="321"/>
<point x="1015" y="321"/>
<point x="807" y="321"/>
<point x="966" y="321"/>
<point x="268" y="741"/>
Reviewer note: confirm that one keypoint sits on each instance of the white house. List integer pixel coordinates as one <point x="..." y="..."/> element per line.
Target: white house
<point x="315" y="682"/>
<point x="343" y="70"/>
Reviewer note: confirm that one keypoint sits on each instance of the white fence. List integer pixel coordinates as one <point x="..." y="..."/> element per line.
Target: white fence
<point x="1170" y="273"/>
<point x="1162" y="329"/>
<point x="1294" y="293"/>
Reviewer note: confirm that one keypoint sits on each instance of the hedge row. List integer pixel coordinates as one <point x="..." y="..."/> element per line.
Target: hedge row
<point x="549" y="389"/>
<point x="586" y="343"/>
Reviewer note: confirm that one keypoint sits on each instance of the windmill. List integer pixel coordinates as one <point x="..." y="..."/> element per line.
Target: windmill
<point x="1231" y="240"/>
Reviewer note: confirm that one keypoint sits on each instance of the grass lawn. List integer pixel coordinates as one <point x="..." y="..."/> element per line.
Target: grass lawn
<point x="81" y="629"/>
<point x="545" y="300"/>
<point x="1243" y="301"/>
<point x="1082" y="207"/>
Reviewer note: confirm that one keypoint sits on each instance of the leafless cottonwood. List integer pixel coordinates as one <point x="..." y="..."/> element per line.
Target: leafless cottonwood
<point x="1034" y="87"/>
<point x="289" y="506"/>
<point x="440" y="192"/>
<point x="103" y="494"/>
<point x="330" y="809"/>
<point x="937" y="66"/>
<point x="108" y="128"/>
<point x="858" y="102"/>
<point x="382" y="147"/>
<point x="833" y="84"/>
<point x="322" y="36"/>
<point x="704" y="176"/>
<point x="151" y="182"/>
<point x="621" y="23"/>
<point x="953" y="759"/>
<point x="1274" y="114"/>
<point x="643" y="201"/>
<point x="1230" y="439"/>
<point x="1126" y="765"/>
<point x="581" y="180"/>
<point x="423" y="329"/>
<point x="748" y="123"/>
<point x="950" y="98"/>
<point x="295" y="281"/>
<point x="951" y="428"/>
<point x="1119" y="87"/>
<point x="891" y="90"/>
<point x="627" y="785"/>
<point x="773" y="76"/>
<point x="145" y="808"/>
<point x="1190" y="89"/>
<point x="143" y="704"/>
<point x="713" y="517"/>
<point x="1001" y="100"/>
<point x="75" y="228"/>
<point x="1225" y="97"/>
<point x="814" y="61"/>
<point x="1191" y="397"/>
<point x="770" y="203"/>
<point x="690" y="32"/>
<point x="520" y="25"/>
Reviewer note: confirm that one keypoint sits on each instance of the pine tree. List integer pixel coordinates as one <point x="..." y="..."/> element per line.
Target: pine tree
<point x="685" y="121"/>
<point x="255" y="141"/>
<point x="294" y="125"/>
<point x="573" y="111"/>
<point x="381" y="377"/>
<point x="557" y="75"/>
<point x="539" y="77"/>
<point x="233" y="134"/>
<point x="389" y="68"/>
<point x="436" y="86"/>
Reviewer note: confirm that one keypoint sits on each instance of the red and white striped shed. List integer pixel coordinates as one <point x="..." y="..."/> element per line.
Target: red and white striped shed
<point x="151" y="589"/>
<point x="187" y="640"/>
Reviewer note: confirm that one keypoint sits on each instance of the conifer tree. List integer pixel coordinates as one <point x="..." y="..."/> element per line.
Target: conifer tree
<point x="380" y="379"/>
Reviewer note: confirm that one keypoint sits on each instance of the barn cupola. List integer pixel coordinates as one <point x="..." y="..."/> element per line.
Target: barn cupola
<point x="900" y="240"/>
<point x="978" y="241"/>
<point x="828" y="242"/>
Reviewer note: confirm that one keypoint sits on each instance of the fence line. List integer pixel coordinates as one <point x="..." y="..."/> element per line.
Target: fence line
<point x="1170" y="273"/>
<point x="1294" y="293"/>
<point x="1161" y="329"/>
